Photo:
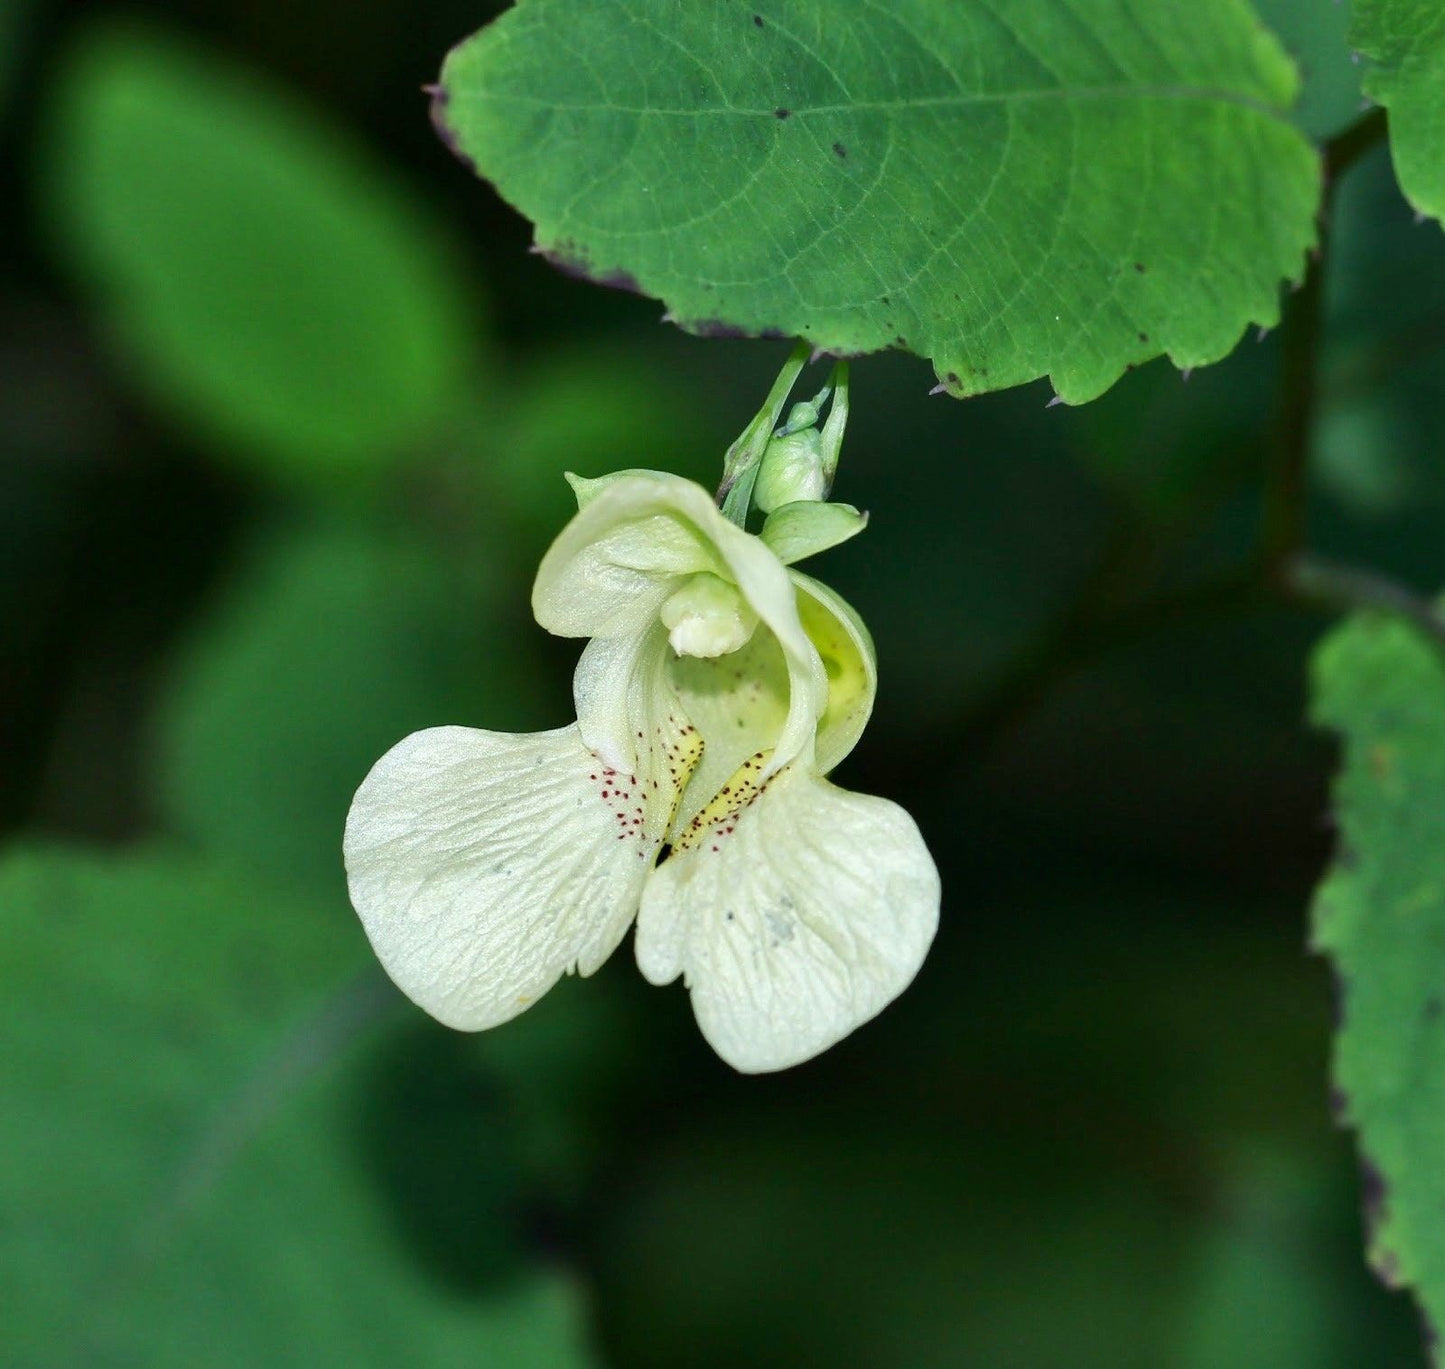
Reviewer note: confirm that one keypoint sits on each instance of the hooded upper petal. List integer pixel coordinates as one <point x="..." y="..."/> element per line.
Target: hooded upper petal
<point x="793" y="919"/>
<point x="629" y="548"/>
<point x="485" y="865"/>
<point x="615" y="564"/>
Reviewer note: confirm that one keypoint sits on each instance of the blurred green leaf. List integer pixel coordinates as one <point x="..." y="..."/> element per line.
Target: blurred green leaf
<point x="1315" y="36"/>
<point x="330" y="646"/>
<point x="1405" y="42"/>
<point x="14" y="20"/>
<point x="1264" y="1287"/>
<point x="1362" y="456"/>
<point x="183" y="1063"/>
<point x="590" y="412"/>
<point x="1380" y="915"/>
<point x="569" y="1067"/>
<point x="1172" y="450"/>
<point x="1099" y="1143"/>
<point x="264" y="283"/>
<point x="1000" y="192"/>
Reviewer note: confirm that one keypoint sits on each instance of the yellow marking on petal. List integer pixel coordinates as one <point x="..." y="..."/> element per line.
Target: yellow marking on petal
<point x="720" y="815"/>
<point x="683" y="754"/>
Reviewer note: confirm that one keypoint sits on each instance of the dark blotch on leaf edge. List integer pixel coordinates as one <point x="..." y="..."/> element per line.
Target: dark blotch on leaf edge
<point x="720" y="328"/>
<point x="570" y="260"/>
<point x="440" y="98"/>
<point x="1374" y="1196"/>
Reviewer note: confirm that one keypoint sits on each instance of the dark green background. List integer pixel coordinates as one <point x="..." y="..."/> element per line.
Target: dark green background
<point x="1095" y="1132"/>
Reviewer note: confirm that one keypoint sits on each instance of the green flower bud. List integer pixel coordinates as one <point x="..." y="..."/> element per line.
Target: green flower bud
<point x="793" y="469"/>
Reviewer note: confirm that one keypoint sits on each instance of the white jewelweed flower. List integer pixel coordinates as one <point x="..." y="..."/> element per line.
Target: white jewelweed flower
<point x="717" y="690"/>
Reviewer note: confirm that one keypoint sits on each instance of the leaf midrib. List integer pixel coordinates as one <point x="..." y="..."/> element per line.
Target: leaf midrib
<point x="1185" y="94"/>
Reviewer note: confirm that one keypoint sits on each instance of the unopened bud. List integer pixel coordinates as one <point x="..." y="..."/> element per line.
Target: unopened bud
<point x="792" y="470"/>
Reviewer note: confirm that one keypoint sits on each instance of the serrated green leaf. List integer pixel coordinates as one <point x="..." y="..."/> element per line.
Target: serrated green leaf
<point x="1008" y="189"/>
<point x="1405" y="42"/>
<point x="184" y="1064"/>
<point x="330" y="646"/>
<point x="1380" y="915"/>
<point x="263" y="283"/>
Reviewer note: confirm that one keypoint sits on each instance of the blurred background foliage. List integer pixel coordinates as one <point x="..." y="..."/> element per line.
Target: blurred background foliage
<point x="284" y="407"/>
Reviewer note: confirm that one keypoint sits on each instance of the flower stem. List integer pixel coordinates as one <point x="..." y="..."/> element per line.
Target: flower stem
<point x="1312" y="581"/>
<point x="1286" y="477"/>
<point x="1286" y="493"/>
<point x="740" y="465"/>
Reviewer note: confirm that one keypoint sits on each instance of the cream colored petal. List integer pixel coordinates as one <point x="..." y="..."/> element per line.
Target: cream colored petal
<point x="851" y="665"/>
<point x="792" y="922"/>
<point x="629" y="713"/>
<point x="739" y="705"/>
<point x="614" y="565"/>
<point x="586" y="488"/>
<point x="767" y="585"/>
<point x="485" y="865"/>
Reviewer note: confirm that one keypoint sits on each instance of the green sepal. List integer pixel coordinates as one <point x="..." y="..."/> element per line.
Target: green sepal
<point x="806" y="527"/>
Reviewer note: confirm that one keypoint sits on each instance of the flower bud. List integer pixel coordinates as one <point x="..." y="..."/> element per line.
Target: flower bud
<point x="792" y="470"/>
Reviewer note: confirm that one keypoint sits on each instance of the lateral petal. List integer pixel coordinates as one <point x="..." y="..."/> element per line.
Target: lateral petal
<point x="486" y="865"/>
<point x="792" y="921"/>
<point x="629" y="713"/>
